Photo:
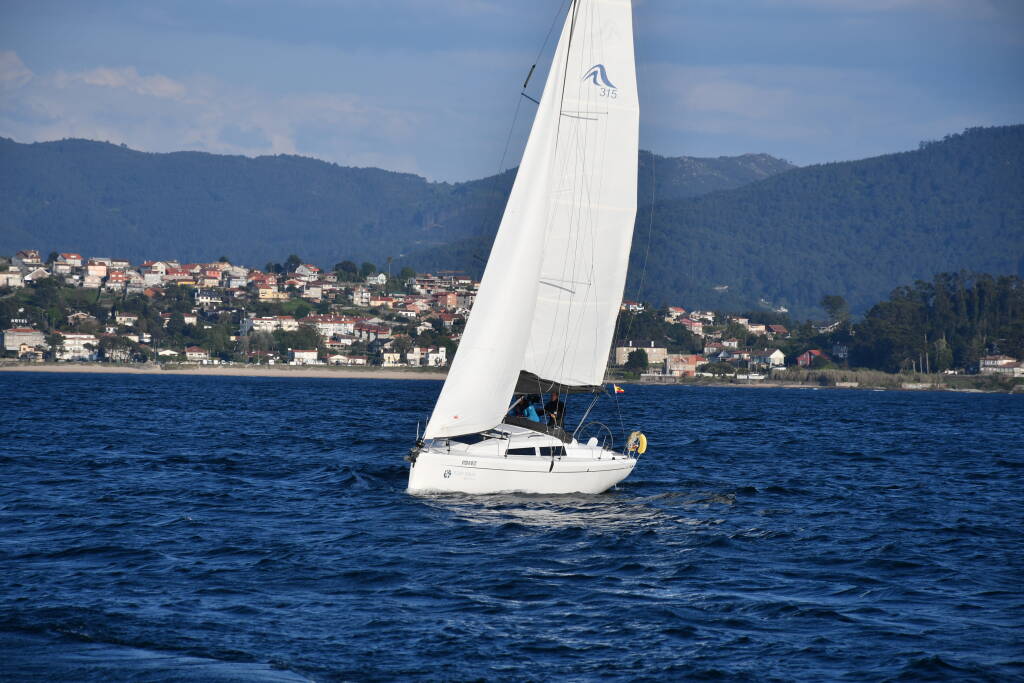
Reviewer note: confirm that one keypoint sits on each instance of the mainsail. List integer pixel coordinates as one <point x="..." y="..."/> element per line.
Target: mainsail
<point x="551" y="290"/>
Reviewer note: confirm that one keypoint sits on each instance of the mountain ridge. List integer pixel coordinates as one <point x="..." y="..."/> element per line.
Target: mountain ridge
<point x="102" y="198"/>
<point x="853" y="228"/>
<point x="730" y="233"/>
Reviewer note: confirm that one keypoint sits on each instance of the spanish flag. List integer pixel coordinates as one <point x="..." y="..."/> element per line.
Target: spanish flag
<point x="618" y="389"/>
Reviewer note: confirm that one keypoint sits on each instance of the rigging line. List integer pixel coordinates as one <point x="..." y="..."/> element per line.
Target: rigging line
<point x="576" y="220"/>
<point x="554" y="151"/>
<point x="543" y="46"/>
<point x="533" y="67"/>
<point x="598" y="160"/>
<point x="622" y="425"/>
<point x="551" y="29"/>
<point x="593" y="158"/>
<point x="574" y="15"/>
<point x="575" y="9"/>
<point x="515" y="116"/>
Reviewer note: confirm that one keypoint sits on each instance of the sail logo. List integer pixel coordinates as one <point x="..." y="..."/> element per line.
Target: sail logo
<point x="598" y="75"/>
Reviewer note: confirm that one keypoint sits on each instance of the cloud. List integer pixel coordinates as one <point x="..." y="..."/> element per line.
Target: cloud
<point x="127" y="78"/>
<point x="742" y="99"/>
<point x="154" y="112"/>
<point x="866" y="6"/>
<point x="802" y="113"/>
<point x="13" y="72"/>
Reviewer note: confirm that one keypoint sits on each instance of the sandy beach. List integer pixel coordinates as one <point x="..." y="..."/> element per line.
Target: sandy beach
<point x="230" y="371"/>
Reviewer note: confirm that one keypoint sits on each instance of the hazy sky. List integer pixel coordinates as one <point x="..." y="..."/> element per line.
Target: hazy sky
<point x="430" y="86"/>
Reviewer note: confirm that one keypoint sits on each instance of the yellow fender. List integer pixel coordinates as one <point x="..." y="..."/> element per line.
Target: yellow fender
<point x="637" y="442"/>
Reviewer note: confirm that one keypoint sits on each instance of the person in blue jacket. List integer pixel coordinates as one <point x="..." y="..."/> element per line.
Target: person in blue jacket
<point x="524" y="407"/>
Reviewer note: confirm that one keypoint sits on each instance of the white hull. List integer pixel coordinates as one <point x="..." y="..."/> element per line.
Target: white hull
<point x="490" y="466"/>
<point x="443" y="472"/>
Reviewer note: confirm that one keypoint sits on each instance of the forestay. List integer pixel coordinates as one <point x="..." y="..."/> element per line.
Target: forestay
<point x="551" y="289"/>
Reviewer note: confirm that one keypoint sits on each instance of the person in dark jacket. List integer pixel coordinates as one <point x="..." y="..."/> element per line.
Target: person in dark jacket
<point x="554" y="411"/>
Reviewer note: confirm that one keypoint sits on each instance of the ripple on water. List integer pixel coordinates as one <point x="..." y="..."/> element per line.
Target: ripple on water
<point x="266" y="535"/>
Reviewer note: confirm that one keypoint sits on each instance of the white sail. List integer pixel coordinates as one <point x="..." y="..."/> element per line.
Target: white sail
<point x="576" y="182"/>
<point x="594" y="180"/>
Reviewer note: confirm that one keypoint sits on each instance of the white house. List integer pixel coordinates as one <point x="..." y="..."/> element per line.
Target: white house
<point x="674" y="313"/>
<point x="268" y="324"/>
<point x="303" y="357"/>
<point x="360" y="296"/>
<point x="706" y="316"/>
<point x="431" y="356"/>
<point x="207" y="297"/>
<point x="694" y="326"/>
<point x="126" y="319"/>
<point x="16" y="336"/>
<point x="12" y="279"/>
<point x="78" y="347"/>
<point x="773" y="358"/>
<point x="36" y="274"/>
<point x="392" y="359"/>
<point x="307" y="272"/>
<point x="329" y="326"/>
<point x="188" y="318"/>
<point x="71" y="259"/>
<point x="655" y="354"/>
<point x="27" y="260"/>
<point x="195" y="354"/>
<point x="348" y="359"/>
<point x="60" y="268"/>
<point x="683" y="364"/>
<point x="1001" y="365"/>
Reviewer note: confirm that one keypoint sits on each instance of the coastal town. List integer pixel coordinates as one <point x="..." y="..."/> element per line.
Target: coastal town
<point x="67" y="308"/>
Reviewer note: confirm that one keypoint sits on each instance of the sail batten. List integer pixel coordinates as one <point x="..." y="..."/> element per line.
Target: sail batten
<point x="568" y="221"/>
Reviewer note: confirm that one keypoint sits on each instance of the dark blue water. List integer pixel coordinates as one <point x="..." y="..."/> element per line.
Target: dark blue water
<point x="190" y="528"/>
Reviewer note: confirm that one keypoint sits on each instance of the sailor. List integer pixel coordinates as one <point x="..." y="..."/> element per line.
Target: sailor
<point x="532" y="401"/>
<point x="554" y="410"/>
<point x="524" y="408"/>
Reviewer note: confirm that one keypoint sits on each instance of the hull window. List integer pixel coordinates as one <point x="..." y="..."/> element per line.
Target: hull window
<point x="469" y="439"/>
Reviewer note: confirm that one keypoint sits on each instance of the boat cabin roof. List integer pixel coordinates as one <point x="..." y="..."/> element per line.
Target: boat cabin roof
<point x="515" y="435"/>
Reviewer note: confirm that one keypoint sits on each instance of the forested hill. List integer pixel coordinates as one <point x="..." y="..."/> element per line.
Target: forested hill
<point x="726" y="233"/>
<point x="107" y="200"/>
<point x="856" y="229"/>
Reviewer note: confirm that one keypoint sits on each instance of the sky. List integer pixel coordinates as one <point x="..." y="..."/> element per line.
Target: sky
<point x="432" y="86"/>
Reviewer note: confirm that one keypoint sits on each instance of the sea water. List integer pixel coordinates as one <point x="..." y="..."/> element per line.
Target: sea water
<point x="218" y="528"/>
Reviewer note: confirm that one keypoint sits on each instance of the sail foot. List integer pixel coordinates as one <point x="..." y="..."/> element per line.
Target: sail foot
<point x="529" y="383"/>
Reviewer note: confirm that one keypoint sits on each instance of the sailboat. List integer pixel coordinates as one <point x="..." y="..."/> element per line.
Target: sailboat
<point x="545" y="311"/>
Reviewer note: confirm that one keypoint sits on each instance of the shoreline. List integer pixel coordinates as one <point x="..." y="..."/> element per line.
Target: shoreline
<point x="405" y="374"/>
<point x="293" y="371"/>
<point x="915" y="387"/>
